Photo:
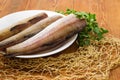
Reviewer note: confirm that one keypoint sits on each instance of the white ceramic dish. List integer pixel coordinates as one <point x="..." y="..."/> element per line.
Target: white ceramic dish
<point x="15" y="17"/>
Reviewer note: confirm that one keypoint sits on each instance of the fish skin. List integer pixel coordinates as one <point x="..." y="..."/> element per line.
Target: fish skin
<point x="29" y="32"/>
<point x="57" y="32"/>
<point x="21" y="25"/>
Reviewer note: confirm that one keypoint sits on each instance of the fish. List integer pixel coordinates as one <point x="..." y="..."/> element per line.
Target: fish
<point x="20" y="25"/>
<point x="29" y="32"/>
<point x="53" y="35"/>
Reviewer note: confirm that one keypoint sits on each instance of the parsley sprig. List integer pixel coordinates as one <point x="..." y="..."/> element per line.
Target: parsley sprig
<point x="91" y="32"/>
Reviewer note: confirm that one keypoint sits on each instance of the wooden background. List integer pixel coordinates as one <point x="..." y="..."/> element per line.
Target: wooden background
<point x="107" y="11"/>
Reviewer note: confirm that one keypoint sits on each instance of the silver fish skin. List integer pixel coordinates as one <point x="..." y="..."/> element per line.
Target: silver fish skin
<point x="21" y="25"/>
<point x="51" y="36"/>
<point x="29" y="32"/>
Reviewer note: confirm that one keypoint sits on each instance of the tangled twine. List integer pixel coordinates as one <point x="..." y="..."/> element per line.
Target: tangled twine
<point x="92" y="62"/>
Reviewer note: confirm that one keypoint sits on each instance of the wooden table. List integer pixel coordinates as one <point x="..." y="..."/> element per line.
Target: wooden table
<point x="107" y="11"/>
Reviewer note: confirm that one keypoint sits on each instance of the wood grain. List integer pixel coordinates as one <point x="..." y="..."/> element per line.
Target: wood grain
<point x="107" y="11"/>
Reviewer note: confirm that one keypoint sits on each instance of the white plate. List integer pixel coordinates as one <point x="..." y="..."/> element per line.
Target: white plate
<point x="15" y="17"/>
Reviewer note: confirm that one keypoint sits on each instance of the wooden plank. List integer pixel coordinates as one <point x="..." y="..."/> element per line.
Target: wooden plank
<point x="115" y="74"/>
<point x="107" y="14"/>
<point x="107" y="11"/>
<point x="10" y="6"/>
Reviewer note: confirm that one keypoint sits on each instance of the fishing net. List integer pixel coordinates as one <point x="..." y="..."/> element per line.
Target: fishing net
<point x="92" y="62"/>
